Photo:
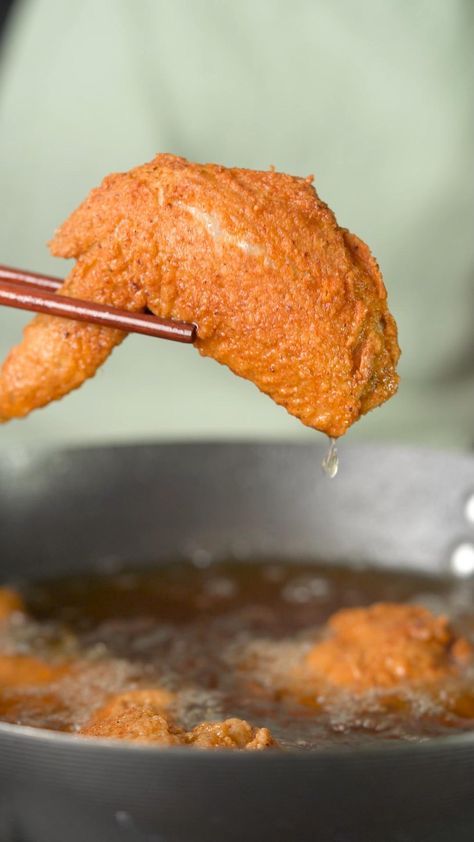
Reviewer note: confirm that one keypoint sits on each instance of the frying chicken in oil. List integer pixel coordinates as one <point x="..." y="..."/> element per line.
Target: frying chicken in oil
<point x="142" y="716"/>
<point x="280" y="293"/>
<point x="10" y="603"/>
<point x="31" y="688"/>
<point x="419" y="667"/>
<point x="386" y="645"/>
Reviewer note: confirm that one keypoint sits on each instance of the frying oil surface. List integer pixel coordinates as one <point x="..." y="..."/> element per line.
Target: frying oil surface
<point x="227" y="641"/>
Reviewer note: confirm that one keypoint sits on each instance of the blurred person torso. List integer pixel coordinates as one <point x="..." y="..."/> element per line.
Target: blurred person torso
<point x="373" y="98"/>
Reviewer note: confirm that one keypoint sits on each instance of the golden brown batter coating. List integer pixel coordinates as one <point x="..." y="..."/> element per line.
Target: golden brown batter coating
<point x="141" y="716"/>
<point x="279" y="292"/>
<point x="137" y="715"/>
<point x="26" y="671"/>
<point x="10" y="603"/>
<point x="232" y="733"/>
<point x="386" y="645"/>
<point x="21" y="673"/>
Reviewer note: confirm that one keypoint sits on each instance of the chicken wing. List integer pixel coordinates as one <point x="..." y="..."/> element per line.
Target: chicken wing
<point x="280" y="293"/>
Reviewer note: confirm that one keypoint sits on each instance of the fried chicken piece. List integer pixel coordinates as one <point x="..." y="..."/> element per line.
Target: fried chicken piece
<point x="32" y="706"/>
<point x="142" y="716"/>
<point x="281" y="294"/>
<point x="10" y="603"/>
<point x="26" y="671"/>
<point x="29" y="690"/>
<point x="136" y="715"/>
<point x="386" y="645"/>
<point x="232" y="733"/>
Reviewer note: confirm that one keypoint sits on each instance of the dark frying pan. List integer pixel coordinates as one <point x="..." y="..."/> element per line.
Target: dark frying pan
<point x="67" y="511"/>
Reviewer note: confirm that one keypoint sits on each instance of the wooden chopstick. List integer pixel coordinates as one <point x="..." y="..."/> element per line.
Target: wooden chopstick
<point x="31" y="291"/>
<point x="22" y="276"/>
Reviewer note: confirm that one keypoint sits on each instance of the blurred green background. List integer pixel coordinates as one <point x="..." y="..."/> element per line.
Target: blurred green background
<point x="375" y="98"/>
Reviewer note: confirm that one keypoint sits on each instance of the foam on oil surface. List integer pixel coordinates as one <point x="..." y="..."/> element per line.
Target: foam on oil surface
<point x="227" y="640"/>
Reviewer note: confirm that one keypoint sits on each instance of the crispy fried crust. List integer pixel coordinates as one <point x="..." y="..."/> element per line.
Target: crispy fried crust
<point x="386" y="645"/>
<point x="142" y="716"/>
<point x="27" y="671"/>
<point x="232" y="733"/>
<point x="136" y="715"/>
<point x="280" y="293"/>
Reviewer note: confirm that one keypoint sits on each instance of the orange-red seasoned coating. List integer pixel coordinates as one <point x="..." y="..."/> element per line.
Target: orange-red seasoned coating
<point x="386" y="645"/>
<point x="142" y="716"/>
<point x="280" y="293"/>
<point x="10" y="603"/>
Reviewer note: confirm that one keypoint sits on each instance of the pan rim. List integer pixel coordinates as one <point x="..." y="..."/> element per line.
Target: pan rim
<point x="434" y="745"/>
<point x="320" y="443"/>
<point x="459" y="741"/>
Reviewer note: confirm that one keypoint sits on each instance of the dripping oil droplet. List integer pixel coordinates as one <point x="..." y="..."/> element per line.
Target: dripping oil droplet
<point x="330" y="463"/>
